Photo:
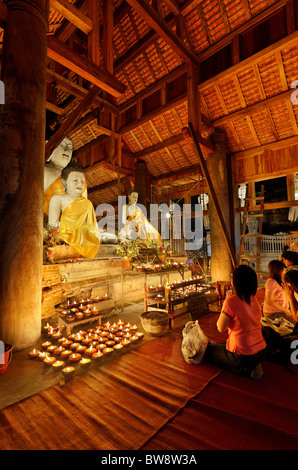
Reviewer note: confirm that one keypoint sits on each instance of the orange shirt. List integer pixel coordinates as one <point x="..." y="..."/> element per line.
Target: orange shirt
<point x="244" y="328"/>
<point x="279" y="296"/>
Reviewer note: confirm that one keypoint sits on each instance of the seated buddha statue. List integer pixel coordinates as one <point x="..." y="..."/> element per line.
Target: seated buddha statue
<point x="59" y="158"/>
<point x="74" y="214"/>
<point x="135" y="223"/>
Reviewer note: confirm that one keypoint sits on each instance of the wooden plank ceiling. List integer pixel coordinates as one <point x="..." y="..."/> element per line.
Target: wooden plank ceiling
<point x="244" y="82"/>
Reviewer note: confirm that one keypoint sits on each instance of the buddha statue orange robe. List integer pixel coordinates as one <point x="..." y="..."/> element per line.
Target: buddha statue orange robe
<point x="55" y="188"/>
<point x="78" y="227"/>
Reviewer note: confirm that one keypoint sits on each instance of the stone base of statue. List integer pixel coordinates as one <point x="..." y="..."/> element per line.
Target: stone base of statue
<point x="67" y="252"/>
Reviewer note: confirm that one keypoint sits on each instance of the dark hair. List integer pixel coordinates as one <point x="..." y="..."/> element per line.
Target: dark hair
<point x="70" y="167"/>
<point x="132" y="190"/>
<point x="291" y="276"/>
<point x="245" y="282"/>
<point x="291" y="256"/>
<point x="275" y="268"/>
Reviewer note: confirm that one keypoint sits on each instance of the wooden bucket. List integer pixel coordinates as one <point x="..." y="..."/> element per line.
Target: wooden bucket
<point x="5" y="358"/>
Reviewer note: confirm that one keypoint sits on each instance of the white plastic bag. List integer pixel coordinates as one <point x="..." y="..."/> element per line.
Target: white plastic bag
<point x="194" y="343"/>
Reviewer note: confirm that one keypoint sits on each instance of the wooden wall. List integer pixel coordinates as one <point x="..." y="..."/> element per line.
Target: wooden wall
<point x="266" y="163"/>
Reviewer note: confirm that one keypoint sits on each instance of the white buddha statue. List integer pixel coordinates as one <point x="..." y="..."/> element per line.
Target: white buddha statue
<point x="59" y="158"/>
<point x="135" y="223"/>
<point x="74" y="214"/>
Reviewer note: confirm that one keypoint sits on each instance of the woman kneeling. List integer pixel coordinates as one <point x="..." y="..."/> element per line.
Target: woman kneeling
<point x="241" y="313"/>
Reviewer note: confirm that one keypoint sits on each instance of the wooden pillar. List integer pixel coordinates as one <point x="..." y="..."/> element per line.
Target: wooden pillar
<point x="141" y="182"/>
<point x="221" y="264"/>
<point x="22" y="137"/>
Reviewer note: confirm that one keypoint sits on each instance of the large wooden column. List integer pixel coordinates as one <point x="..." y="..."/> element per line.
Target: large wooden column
<point x="22" y="137"/>
<point x="221" y="264"/>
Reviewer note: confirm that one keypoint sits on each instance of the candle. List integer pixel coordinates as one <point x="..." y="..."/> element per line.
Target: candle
<point x="97" y="355"/>
<point x="51" y="348"/>
<point x="63" y="313"/>
<point x="134" y="327"/>
<point x="68" y="371"/>
<point x="120" y="323"/>
<point x="125" y="342"/>
<point x="70" y="317"/>
<point x="79" y="315"/>
<point x="46" y="344"/>
<point x="49" y="360"/>
<point x="43" y="355"/>
<point x="113" y="330"/>
<point x="87" y="312"/>
<point x="74" y="346"/>
<point x="105" y="297"/>
<point x="86" y="340"/>
<point x="118" y="339"/>
<point x="59" y="350"/>
<point x="82" y="307"/>
<point x="94" y="310"/>
<point x="58" y="365"/>
<point x="60" y="340"/>
<point x="104" y="333"/>
<point x="81" y="349"/>
<point x="74" y="310"/>
<point x="100" y="346"/>
<point x="140" y="335"/>
<point x="65" y="354"/>
<point x="75" y="357"/>
<point x="118" y="346"/>
<point x="85" y="362"/>
<point x="107" y="325"/>
<point x="94" y="343"/>
<point x="110" y="343"/>
<point x="46" y="328"/>
<point x="134" y="338"/>
<point x="95" y="336"/>
<point x="78" y="337"/>
<point x="34" y="353"/>
<point x="91" y="350"/>
<point x="51" y="331"/>
<point x="66" y="343"/>
<point x="107" y="350"/>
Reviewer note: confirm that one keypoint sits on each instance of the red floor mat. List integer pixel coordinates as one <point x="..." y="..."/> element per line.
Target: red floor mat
<point x="235" y="413"/>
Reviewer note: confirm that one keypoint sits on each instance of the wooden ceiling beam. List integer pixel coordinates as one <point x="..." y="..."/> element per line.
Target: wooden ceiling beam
<point x="269" y="102"/>
<point x="280" y="144"/>
<point x="104" y="186"/>
<point x="161" y="145"/>
<point x="76" y="90"/>
<point x="72" y="14"/>
<point x="151" y="16"/>
<point x="180" y="175"/>
<point x="70" y="122"/>
<point x="66" y="56"/>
